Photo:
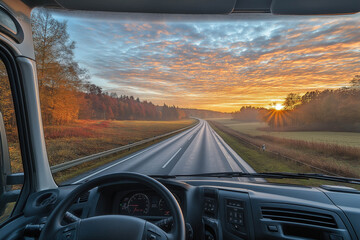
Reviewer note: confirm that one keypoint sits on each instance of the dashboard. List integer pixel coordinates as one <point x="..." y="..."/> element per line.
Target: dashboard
<point x="225" y="210"/>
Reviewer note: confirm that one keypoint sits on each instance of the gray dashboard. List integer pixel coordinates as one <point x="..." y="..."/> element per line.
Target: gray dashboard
<point x="240" y="210"/>
<point x="216" y="209"/>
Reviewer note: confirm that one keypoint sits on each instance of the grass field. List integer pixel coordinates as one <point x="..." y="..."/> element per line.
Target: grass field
<point x="331" y="158"/>
<point x="264" y="162"/>
<point x="86" y="137"/>
<point x="254" y="129"/>
<point x="67" y="174"/>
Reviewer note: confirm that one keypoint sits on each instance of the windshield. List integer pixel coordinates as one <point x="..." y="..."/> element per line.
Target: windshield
<point x="181" y="94"/>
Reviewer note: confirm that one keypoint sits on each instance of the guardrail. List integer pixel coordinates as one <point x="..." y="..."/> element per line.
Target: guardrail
<point x="73" y="163"/>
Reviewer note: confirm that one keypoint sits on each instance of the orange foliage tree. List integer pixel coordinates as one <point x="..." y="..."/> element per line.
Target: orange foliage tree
<point x="60" y="77"/>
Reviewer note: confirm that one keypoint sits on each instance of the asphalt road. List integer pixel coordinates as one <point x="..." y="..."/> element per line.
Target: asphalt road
<point x="196" y="150"/>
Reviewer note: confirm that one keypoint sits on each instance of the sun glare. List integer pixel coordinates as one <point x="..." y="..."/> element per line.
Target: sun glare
<point x="279" y="106"/>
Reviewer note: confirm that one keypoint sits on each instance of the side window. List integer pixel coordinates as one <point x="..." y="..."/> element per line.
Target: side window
<point x="10" y="156"/>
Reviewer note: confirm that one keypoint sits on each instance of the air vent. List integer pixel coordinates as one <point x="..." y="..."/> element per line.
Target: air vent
<point x="299" y="216"/>
<point x="83" y="197"/>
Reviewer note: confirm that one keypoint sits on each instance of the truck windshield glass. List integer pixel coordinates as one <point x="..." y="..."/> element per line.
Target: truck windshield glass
<point x="161" y="95"/>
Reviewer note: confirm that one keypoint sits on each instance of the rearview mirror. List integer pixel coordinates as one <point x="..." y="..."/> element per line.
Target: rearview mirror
<point x="314" y="7"/>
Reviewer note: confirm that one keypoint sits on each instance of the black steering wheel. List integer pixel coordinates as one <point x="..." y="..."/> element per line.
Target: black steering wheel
<point x="113" y="227"/>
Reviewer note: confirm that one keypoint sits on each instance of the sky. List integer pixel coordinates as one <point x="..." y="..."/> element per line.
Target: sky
<point x="219" y="63"/>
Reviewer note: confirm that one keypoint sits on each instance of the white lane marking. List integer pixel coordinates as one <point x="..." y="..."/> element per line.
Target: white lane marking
<point x="171" y="159"/>
<point x="104" y="169"/>
<point x="124" y="160"/>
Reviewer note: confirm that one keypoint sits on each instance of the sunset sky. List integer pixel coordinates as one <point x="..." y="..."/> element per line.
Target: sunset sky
<point x="220" y="64"/>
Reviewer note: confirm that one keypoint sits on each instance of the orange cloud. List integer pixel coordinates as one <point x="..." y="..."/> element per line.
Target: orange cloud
<point x="224" y="65"/>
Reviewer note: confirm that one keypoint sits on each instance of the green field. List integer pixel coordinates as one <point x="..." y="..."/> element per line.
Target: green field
<point x="330" y="155"/>
<point x="252" y="129"/>
<point x="264" y="162"/>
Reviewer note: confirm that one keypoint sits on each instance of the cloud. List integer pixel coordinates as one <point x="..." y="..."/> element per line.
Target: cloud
<point x="219" y="65"/>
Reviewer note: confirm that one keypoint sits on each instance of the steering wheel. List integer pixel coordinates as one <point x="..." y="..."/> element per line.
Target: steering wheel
<point x="113" y="227"/>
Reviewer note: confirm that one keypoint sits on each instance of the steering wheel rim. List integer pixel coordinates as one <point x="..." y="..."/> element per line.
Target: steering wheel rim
<point x="53" y="225"/>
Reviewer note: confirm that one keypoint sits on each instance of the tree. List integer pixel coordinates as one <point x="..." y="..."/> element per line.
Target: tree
<point x="60" y="77"/>
<point x="355" y="82"/>
<point x="248" y="114"/>
<point x="6" y="103"/>
<point x="309" y="96"/>
<point x="291" y="101"/>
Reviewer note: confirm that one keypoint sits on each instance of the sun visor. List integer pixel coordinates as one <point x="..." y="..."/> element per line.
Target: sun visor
<point x="314" y="7"/>
<point x="152" y="6"/>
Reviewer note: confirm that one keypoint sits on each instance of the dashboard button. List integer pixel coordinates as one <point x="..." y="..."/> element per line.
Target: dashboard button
<point x="151" y="237"/>
<point x="70" y="235"/>
<point x="272" y="228"/>
<point x="335" y="237"/>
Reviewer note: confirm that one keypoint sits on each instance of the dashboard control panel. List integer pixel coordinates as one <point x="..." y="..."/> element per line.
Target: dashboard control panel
<point x="235" y="215"/>
<point x="210" y="207"/>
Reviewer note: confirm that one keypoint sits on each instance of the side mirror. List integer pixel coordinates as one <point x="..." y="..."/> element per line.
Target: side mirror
<point x="6" y="178"/>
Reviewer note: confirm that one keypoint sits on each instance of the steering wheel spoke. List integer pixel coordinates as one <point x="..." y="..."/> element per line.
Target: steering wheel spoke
<point x="153" y="232"/>
<point x="67" y="232"/>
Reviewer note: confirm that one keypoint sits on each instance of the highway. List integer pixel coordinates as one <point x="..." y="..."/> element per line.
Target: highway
<point x="197" y="150"/>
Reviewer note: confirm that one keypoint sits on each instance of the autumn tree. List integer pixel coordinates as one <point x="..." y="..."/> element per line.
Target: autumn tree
<point x="291" y="101"/>
<point x="60" y="77"/>
<point x="65" y="94"/>
<point x="328" y="110"/>
<point x="355" y="82"/>
<point x="248" y="114"/>
<point x="6" y="104"/>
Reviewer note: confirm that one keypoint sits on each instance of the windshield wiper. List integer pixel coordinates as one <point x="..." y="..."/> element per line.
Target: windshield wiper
<point x="277" y="175"/>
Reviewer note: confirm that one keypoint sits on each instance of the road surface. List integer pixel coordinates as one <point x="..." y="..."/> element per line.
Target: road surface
<point x="197" y="150"/>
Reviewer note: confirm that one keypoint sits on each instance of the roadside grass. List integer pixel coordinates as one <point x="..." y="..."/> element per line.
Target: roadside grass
<point x="337" y="159"/>
<point x="262" y="161"/>
<point x="349" y="139"/>
<point x="85" y="137"/>
<point x="70" y="173"/>
<point x="326" y="149"/>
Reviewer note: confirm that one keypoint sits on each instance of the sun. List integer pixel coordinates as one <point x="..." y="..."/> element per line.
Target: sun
<point x="279" y="107"/>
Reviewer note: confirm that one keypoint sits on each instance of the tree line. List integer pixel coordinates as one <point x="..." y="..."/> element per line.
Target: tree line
<point x="249" y="114"/>
<point x="336" y="110"/>
<point x="97" y="104"/>
<point x="326" y="110"/>
<point x="65" y="92"/>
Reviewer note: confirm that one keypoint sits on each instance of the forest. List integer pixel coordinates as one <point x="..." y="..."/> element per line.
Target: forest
<point x="335" y="110"/>
<point x="250" y="114"/>
<point x="97" y="104"/>
<point x="325" y="110"/>
<point x="65" y="91"/>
